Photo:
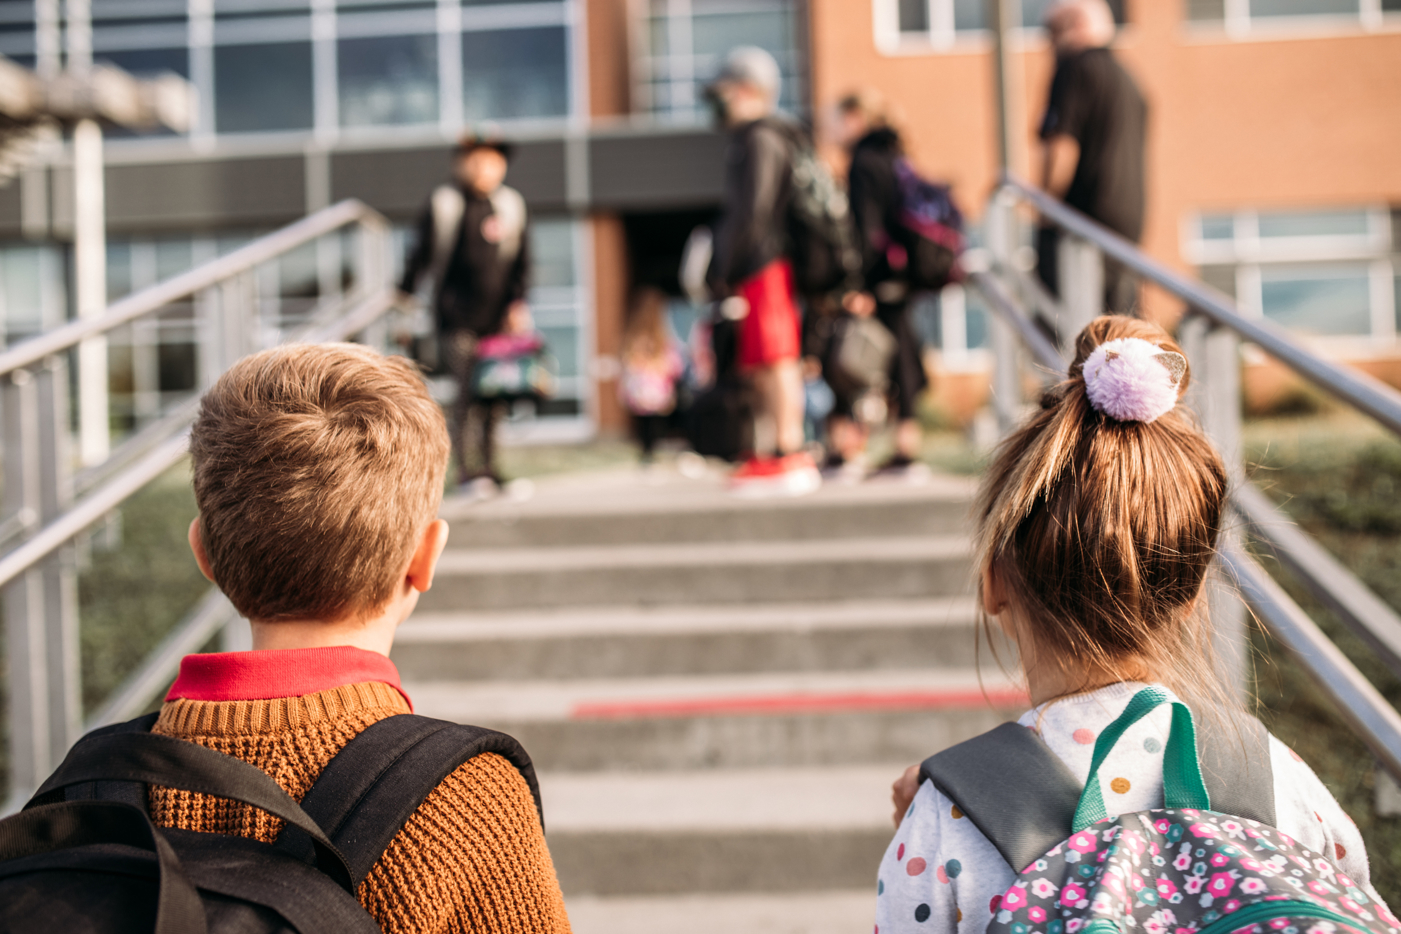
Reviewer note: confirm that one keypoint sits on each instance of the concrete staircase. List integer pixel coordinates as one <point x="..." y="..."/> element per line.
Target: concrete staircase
<point x="717" y="693"/>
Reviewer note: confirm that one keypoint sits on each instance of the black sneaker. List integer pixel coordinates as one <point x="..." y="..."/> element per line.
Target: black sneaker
<point x="903" y="468"/>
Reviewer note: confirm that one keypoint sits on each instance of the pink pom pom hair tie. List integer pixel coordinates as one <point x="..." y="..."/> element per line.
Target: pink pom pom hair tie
<point x="1132" y="380"/>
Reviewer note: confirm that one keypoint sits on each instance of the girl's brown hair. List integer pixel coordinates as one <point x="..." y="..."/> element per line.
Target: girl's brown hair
<point x="1100" y="533"/>
<point x="647" y="333"/>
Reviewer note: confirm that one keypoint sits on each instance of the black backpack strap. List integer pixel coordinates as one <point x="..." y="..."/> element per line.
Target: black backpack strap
<point x="50" y="827"/>
<point x="152" y="759"/>
<point x="132" y="793"/>
<point x="373" y="786"/>
<point x="1022" y="797"/>
<point x="1012" y="787"/>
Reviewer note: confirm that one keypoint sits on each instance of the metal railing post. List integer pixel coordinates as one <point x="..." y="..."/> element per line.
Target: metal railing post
<point x="1006" y="349"/>
<point x="60" y="576"/>
<point x="25" y="652"/>
<point x="1081" y="270"/>
<point x="1214" y="355"/>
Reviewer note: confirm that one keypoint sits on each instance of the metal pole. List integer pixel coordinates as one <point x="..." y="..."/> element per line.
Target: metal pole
<point x="1214" y="356"/>
<point x="1006" y="373"/>
<point x="1003" y="16"/>
<point x="62" y="648"/>
<point x="24" y="597"/>
<point x="1081" y="271"/>
<point x="89" y="250"/>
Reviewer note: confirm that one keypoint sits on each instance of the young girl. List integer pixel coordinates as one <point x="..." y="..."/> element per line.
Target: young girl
<point x="651" y="366"/>
<point x="1097" y="523"/>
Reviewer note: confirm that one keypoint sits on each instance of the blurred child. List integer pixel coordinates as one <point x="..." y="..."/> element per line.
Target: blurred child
<point x="652" y="363"/>
<point x="1098" y="522"/>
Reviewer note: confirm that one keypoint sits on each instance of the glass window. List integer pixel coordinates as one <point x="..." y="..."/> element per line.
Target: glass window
<point x="914" y="15"/>
<point x="1218" y="227"/>
<point x="1206" y="10"/>
<point x="968" y="14"/>
<point x="514" y="73"/>
<point x="563" y="342"/>
<point x="388" y="80"/>
<point x="1329" y="300"/>
<point x="262" y="87"/>
<point x="31" y="288"/>
<point x="173" y="257"/>
<point x="118" y="269"/>
<point x="714" y="34"/>
<point x="552" y="253"/>
<point x="1314" y="224"/>
<point x="1302" y="7"/>
<point x="147" y="62"/>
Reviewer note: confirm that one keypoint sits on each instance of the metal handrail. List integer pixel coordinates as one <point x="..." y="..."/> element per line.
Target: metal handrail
<point x="1361" y="704"/>
<point x="1327" y="578"/>
<point x="244" y="259"/>
<point x="1366" y="393"/>
<point x="102" y="500"/>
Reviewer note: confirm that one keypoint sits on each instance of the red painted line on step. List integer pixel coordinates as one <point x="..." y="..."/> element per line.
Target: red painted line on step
<point x="800" y="702"/>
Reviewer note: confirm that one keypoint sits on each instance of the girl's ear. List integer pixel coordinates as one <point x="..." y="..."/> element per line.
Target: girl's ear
<point x="994" y="596"/>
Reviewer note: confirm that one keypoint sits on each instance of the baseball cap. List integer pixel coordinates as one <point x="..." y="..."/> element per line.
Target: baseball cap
<point x="751" y="65"/>
<point x="484" y="139"/>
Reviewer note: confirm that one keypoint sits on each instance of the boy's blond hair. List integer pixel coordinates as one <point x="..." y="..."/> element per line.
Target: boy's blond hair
<point x="316" y="471"/>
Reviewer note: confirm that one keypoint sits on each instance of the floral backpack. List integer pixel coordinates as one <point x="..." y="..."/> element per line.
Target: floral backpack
<point x="1208" y="862"/>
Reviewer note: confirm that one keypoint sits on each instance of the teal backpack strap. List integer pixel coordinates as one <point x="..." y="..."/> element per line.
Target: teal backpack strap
<point x="1012" y="787"/>
<point x="1023" y="798"/>
<point x="1182" y="772"/>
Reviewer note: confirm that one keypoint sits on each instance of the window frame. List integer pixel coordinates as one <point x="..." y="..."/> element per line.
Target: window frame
<point x="1249" y="255"/>
<point x="200" y="30"/>
<point x="1238" y="24"/>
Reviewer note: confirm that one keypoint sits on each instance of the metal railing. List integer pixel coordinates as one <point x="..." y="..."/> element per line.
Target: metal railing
<point x="46" y="506"/>
<point x="1211" y="334"/>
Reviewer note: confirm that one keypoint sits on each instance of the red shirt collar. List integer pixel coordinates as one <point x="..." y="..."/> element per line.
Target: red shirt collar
<point x="272" y="673"/>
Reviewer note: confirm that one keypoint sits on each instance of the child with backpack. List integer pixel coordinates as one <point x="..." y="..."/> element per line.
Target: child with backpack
<point x="290" y="787"/>
<point x="652" y="364"/>
<point x="1098" y="521"/>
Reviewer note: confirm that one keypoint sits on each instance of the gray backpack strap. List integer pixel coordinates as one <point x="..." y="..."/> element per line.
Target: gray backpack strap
<point x="1022" y="797"/>
<point x="1012" y="787"/>
<point x="1236" y="768"/>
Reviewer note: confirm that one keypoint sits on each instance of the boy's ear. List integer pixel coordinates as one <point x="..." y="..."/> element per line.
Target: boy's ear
<point x="197" y="546"/>
<point x="425" y="557"/>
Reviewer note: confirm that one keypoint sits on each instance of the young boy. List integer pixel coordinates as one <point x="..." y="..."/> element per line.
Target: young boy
<point x="318" y="471"/>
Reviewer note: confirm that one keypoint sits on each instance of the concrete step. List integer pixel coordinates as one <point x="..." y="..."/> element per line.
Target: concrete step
<point x="759" y="830"/>
<point x="781" y="913"/>
<point x="627" y="641"/>
<point x="731" y="721"/>
<point x="718" y="572"/>
<point x="614" y="508"/>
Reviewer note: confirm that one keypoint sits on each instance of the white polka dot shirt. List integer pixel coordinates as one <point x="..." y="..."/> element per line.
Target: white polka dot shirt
<point x="941" y="875"/>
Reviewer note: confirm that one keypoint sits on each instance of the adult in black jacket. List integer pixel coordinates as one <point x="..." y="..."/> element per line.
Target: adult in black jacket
<point x="473" y="240"/>
<point x="751" y="272"/>
<point x="1093" y="136"/>
<point x="874" y="191"/>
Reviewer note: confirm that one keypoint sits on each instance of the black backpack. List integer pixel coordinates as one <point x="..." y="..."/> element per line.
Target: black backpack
<point x="822" y="241"/>
<point x="931" y="234"/>
<point x="720" y="420"/>
<point x="83" y="857"/>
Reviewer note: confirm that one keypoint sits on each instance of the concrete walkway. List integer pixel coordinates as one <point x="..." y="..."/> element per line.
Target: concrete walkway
<point x="717" y="692"/>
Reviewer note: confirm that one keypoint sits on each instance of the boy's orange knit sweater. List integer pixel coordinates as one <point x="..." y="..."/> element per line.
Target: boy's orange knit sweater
<point x="471" y="858"/>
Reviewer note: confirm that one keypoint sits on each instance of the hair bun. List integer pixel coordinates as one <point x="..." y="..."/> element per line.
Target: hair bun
<point x="1132" y="380"/>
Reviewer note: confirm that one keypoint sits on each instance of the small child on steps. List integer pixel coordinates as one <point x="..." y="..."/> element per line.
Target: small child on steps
<point x="1098" y="521"/>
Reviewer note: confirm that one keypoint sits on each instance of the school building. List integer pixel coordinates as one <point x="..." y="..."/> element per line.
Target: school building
<point x="1274" y="139"/>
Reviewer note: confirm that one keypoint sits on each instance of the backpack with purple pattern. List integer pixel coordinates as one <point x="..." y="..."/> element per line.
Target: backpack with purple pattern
<point x="927" y="254"/>
<point x="1207" y="862"/>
